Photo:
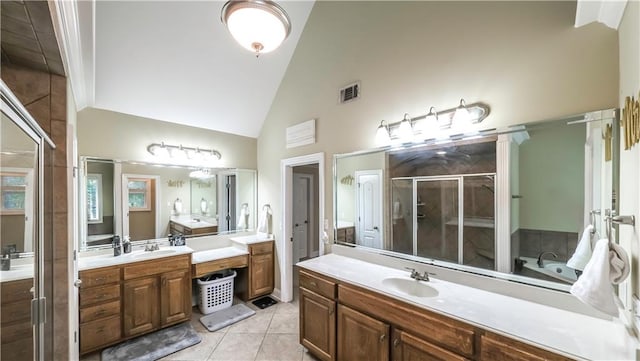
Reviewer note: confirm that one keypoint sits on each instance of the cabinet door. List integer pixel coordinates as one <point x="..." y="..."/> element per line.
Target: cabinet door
<point x="318" y="324"/>
<point x="141" y="306"/>
<point x="261" y="275"/>
<point x="175" y="297"/>
<point x="407" y="347"/>
<point x="360" y="337"/>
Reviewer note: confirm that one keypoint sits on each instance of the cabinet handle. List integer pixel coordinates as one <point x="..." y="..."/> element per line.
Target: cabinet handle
<point x="313" y="284"/>
<point x="382" y="337"/>
<point x="396" y="342"/>
<point x="99" y="279"/>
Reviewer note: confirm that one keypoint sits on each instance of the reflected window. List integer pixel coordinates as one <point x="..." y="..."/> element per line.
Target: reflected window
<point x="94" y="198"/>
<point x="139" y="194"/>
<point x="13" y="192"/>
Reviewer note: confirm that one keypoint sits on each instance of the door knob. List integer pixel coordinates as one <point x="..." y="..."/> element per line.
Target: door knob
<point x="296" y="225"/>
<point x="376" y="228"/>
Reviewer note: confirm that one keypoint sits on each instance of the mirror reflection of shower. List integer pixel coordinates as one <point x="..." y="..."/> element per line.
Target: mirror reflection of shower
<point x="449" y="218"/>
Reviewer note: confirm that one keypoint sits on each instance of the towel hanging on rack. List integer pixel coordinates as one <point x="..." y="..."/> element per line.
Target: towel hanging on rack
<point x="265" y="223"/>
<point x="619" y="264"/>
<point x="594" y="285"/>
<point x="583" y="251"/>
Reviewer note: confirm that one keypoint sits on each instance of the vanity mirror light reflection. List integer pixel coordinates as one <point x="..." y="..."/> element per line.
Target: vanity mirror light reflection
<point x="508" y="203"/>
<point x="148" y="201"/>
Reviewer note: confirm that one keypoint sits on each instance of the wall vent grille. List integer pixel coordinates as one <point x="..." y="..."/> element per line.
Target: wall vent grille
<point x="350" y="93"/>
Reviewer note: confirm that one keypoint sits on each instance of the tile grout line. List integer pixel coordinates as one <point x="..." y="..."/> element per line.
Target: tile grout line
<point x="265" y="334"/>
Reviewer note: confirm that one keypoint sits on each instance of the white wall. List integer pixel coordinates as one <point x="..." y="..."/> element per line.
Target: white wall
<point x="103" y="133"/>
<point x="524" y="59"/>
<point x="629" y="198"/>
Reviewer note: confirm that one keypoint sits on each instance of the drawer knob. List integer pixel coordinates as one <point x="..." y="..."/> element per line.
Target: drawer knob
<point x="382" y="337"/>
<point x="396" y="342"/>
<point x="313" y="284"/>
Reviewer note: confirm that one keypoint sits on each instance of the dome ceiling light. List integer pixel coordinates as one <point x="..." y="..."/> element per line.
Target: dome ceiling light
<point x="259" y="26"/>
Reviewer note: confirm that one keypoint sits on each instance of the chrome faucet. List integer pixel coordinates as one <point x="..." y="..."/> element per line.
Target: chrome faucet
<point x="417" y="276"/>
<point x="541" y="255"/>
<point x="149" y="247"/>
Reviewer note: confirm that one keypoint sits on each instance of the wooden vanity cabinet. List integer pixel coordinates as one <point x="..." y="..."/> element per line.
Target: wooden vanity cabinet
<point x="261" y="269"/>
<point x="176" y="228"/>
<point x="318" y="315"/>
<point x="100" y="320"/>
<point x="157" y="293"/>
<point x="121" y="302"/>
<point x="372" y="326"/>
<point x="360" y="337"/>
<point x="16" y="330"/>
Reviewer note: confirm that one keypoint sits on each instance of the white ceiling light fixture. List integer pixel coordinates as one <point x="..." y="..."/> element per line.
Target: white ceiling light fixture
<point x="382" y="135"/>
<point x="461" y="118"/>
<point x="259" y="26"/>
<point x="405" y="132"/>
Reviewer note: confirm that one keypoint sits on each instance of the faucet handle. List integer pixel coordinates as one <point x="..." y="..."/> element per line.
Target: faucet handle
<point x="413" y="271"/>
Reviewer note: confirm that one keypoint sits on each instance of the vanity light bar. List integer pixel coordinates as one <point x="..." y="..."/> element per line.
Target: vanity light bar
<point x="445" y="119"/>
<point x="175" y="151"/>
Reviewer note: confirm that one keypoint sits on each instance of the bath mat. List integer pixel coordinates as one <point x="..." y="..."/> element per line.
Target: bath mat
<point x="155" y="345"/>
<point x="226" y="317"/>
<point x="264" y="302"/>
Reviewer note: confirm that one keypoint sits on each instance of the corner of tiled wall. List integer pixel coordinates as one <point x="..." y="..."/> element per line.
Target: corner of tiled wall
<point x="44" y="95"/>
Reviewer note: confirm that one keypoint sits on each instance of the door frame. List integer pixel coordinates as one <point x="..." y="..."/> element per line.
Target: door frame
<point x="284" y="245"/>
<point x="125" y="202"/>
<point x="379" y="173"/>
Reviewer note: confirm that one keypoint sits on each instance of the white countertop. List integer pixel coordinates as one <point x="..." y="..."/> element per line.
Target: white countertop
<point x="251" y="239"/>
<point x="193" y="224"/>
<point x="106" y="258"/>
<point x="21" y="269"/>
<point x="216" y="254"/>
<point x="564" y="332"/>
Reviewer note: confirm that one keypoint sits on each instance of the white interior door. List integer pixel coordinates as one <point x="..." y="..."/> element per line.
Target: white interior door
<point x="369" y="208"/>
<point x="301" y="196"/>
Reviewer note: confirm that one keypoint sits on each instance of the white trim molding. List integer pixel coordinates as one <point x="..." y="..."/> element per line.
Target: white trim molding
<point x="74" y="25"/>
<point x="284" y="244"/>
<point x="607" y="12"/>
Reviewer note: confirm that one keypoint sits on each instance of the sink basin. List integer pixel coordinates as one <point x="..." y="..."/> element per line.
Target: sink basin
<point x="153" y="254"/>
<point x="410" y="287"/>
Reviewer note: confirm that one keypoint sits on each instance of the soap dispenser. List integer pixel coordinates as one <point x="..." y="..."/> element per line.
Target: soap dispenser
<point x="126" y="245"/>
<point x="117" y="250"/>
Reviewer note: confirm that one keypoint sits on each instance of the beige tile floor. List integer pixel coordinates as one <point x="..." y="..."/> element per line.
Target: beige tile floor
<point x="270" y="334"/>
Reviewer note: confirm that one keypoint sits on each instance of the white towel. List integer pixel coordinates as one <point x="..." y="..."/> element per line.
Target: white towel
<point x="242" y="219"/>
<point x="177" y="206"/>
<point x="264" y="223"/>
<point x="582" y="255"/>
<point x="594" y="285"/>
<point x="619" y="264"/>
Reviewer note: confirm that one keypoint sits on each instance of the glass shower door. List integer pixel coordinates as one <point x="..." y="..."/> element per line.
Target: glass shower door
<point x="402" y="215"/>
<point x="437" y="217"/>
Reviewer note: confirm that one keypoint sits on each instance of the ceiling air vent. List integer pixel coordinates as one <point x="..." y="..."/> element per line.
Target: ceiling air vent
<point x="350" y="93"/>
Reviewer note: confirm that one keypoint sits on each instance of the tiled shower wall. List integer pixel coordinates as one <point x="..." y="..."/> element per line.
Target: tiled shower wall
<point x="44" y="95"/>
<point x="532" y="242"/>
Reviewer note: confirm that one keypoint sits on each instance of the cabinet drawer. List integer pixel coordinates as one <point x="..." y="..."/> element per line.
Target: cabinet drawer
<point x="99" y="294"/>
<point x="261" y="248"/>
<point x="98" y="333"/>
<point x="100" y="311"/>
<point x="154" y="267"/>
<point x="350" y="231"/>
<point x="177" y="228"/>
<point x="499" y="348"/>
<point x="201" y="269"/>
<point x="318" y="285"/>
<point x="15" y="291"/>
<point x="100" y="276"/>
<point x="450" y="334"/>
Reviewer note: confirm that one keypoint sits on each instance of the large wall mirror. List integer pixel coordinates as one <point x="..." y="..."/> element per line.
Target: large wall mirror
<point x="149" y="201"/>
<point x="510" y="203"/>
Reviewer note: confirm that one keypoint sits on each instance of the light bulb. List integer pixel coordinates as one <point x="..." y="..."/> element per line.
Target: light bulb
<point x="461" y="118"/>
<point x="405" y="132"/>
<point x="382" y="135"/>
